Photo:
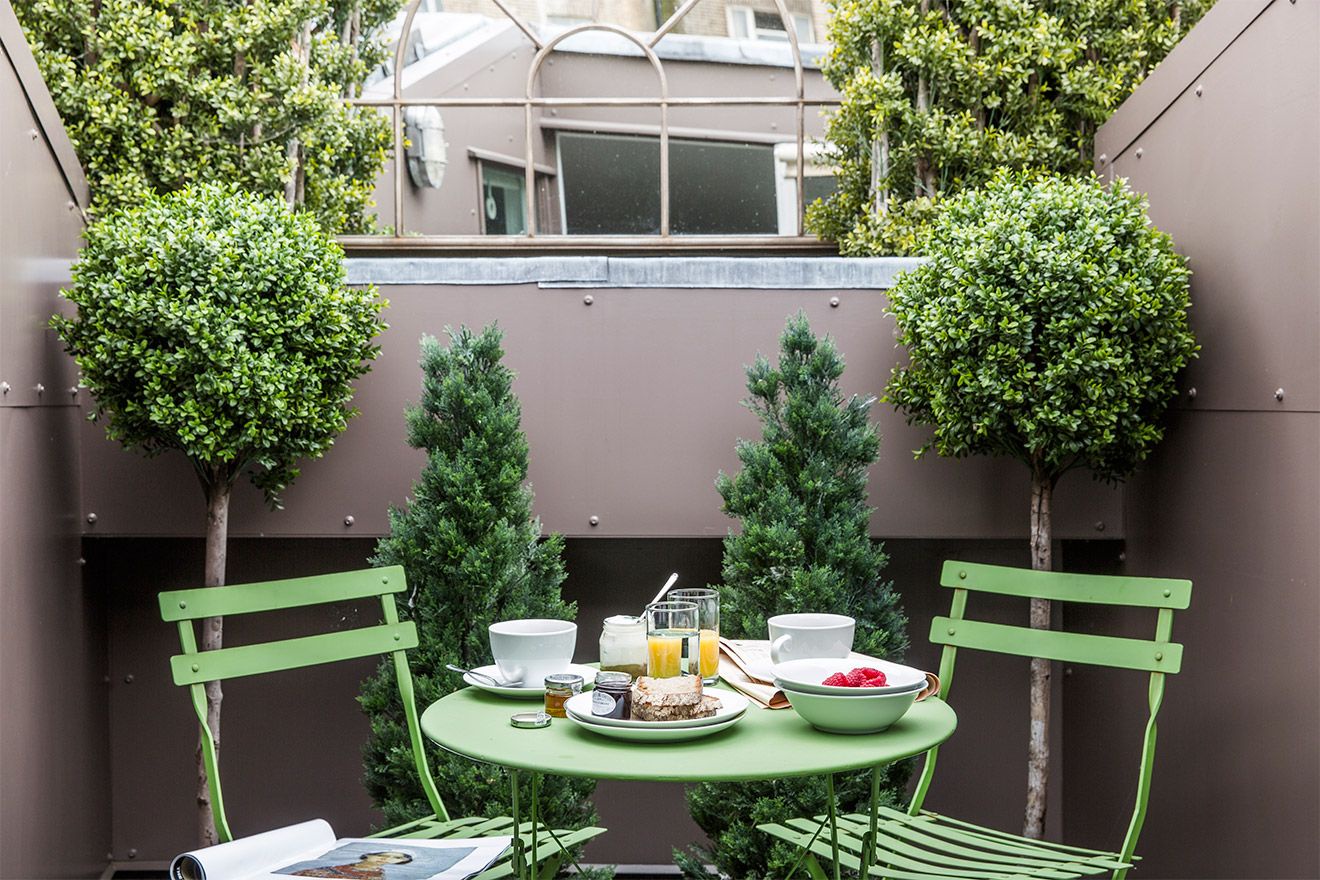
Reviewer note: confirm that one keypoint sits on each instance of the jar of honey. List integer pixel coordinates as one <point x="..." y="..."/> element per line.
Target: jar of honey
<point x="558" y="689"/>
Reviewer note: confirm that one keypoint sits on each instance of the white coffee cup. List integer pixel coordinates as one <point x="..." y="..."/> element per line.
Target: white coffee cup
<point x="526" y="651"/>
<point x="800" y="636"/>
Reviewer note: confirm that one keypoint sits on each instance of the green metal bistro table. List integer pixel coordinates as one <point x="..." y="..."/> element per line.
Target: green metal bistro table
<point x="765" y="744"/>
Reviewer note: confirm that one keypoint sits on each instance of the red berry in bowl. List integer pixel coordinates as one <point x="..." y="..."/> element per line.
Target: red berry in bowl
<point x="838" y="679"/>
<point x="856" y="677"/>
<point x="878" y="681"/>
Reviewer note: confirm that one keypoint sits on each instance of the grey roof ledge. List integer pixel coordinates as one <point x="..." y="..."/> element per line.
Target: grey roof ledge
<point x="769" y="273"/>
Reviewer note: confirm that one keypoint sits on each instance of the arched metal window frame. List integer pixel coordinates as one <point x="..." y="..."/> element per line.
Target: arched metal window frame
<point x="665" y="239"/>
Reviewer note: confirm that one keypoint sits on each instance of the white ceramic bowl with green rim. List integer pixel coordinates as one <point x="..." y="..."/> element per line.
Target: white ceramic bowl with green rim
<point x="852" y="714"/>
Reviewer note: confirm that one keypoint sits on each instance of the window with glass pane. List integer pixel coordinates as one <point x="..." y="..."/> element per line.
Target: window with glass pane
<point x="503" y="198"/>
<point x="610" y="185"/>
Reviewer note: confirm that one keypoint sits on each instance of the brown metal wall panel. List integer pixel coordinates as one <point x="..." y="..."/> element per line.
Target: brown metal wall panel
<point x="1231" y="501"/>
<point x="1234" y="175"/>
<point x="54" y="755"/>
<point x="631" y="406"/>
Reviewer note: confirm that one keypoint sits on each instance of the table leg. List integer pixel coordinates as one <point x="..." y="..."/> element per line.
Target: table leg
<point x="834" y="828"/>
<point x="536" y="778"/>
<point x="517" y="838"/>
<point x="868" y="850"/>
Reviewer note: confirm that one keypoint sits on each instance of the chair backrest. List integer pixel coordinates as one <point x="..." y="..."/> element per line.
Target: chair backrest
<point x="1158" y="656"/>
<point x="193" y="668"/>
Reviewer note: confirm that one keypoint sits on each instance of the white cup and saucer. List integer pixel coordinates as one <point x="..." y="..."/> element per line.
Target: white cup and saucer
<point x="525" y="652"/>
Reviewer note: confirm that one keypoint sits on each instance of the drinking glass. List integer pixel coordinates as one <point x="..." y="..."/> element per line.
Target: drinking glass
<point x="708" y="621"/>
<point x="672" y="639"/>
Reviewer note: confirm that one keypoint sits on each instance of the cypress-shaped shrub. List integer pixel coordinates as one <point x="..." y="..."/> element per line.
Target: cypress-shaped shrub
<point x="805" y="545"/>
<point x="473" y="554"/>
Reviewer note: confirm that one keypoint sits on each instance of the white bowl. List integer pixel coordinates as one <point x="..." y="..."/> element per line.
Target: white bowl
<point x="806" y="676"/>
<point x="854" y="714"/>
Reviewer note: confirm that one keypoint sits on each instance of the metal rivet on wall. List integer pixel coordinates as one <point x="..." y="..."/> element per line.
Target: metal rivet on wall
<point x="39" y="388"/>
<point x="1278" y="394"/>
<point x="1191" y="392"/>
<point x="588" y="300"/>
<point x="1199" y="91"/>
<point x="594" y="521"/>
<point x="72" y="206"/>
<point x="834" y="302"/>
<point x="348" y="520"/>
<point x="1104" y="157"/>
<point x="91" y="518"/>
<point x="73" y="390"/>
<point x="1122" y="556"/>
<point x="132" y="853"/>
<point x="1139" y="152"/>
<point x="4" y="387"/>
<point x="128" y="679"/>
<point x="33" y="133"/>
<point x="1100" y="526"/>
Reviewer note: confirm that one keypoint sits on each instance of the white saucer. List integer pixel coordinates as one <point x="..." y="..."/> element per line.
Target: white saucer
<point x="732" y="705"/>
<point x="651" y="734"/>
<point x="535" y="692"/>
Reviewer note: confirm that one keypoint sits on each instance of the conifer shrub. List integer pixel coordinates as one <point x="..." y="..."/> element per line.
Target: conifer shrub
<point x="473" y="554"/>
<point x="805" y="545"/>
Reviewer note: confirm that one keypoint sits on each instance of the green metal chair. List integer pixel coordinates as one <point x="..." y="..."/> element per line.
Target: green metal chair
<point x="918" y="843"/>
<point x="193" y="668"/>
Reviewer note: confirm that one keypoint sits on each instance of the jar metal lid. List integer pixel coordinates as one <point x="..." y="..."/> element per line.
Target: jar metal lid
<point x="563" y="680"/>
<point x="529" y="720"/>
<point x="609" y="678"/>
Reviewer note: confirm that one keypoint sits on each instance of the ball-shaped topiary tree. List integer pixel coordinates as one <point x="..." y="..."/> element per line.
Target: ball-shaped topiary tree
<point x="1048" y="324"/>
<point x="216" y="323"/>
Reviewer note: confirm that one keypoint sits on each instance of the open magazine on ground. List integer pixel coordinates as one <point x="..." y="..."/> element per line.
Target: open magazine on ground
<point x="310" y="849"/>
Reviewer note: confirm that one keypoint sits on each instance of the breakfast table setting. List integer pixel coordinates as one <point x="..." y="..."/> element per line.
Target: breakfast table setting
<point x="669" y="700"/>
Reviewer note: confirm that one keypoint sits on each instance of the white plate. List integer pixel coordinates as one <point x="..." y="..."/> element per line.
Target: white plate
<point x="650" y="734"/>
<point x="732" y="705"/>
<point x="537" y="692"/>
<point x="805" y="676"/>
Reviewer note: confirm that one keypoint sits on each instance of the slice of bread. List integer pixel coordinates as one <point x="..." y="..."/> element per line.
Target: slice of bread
<point x="671" y="699"/>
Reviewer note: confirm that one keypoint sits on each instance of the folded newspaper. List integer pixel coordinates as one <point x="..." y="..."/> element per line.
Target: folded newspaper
<point x="745" y="666"/>
<point x="310" y="849"/>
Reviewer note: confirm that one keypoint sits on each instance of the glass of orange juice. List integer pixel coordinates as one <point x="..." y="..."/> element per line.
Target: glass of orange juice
<point x="671" y="639"/>
<point x="708" y="621"/>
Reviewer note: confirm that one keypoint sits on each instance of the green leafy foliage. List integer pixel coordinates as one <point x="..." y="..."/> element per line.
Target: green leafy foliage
<point x="1048" y="324"/>
<point x="805" y="545"/>
<point x="217" y="323"/>
<point x="961" y="89"/>
<point x="156" y="94"/>
<point x="474" y="555"/>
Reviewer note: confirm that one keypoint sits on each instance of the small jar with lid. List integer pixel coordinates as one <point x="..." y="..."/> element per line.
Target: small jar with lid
<point x="623" y="645"/>
<point x="558" y="689"/>
<point x="612" y="697"/>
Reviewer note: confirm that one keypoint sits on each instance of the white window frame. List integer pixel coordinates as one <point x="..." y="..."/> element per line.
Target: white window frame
<point x="742" y="19"/>
<point x="786" y="194"/>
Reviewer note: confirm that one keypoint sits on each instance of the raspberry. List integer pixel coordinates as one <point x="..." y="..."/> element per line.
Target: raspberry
<point x="871" y="673"/>
<point x="856" y="677"/>
<point x="878" y="681"/>
<point x="836" y="680"/>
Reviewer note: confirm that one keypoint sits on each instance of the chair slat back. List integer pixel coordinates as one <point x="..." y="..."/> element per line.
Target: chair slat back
<point x="1158" y="656"/>
<point x="194" y="668"/>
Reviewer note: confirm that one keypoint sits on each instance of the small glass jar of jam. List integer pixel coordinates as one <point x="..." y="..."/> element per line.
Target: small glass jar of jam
<point x="612" y="697"/>
<point x="558" y="688"/>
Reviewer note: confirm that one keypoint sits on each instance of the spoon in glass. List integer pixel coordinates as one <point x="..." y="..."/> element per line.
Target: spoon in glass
<point x="665" y="589"/>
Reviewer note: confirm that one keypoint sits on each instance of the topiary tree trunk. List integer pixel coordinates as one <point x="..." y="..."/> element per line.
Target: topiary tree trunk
<point x="1038" y="742"/>
<point x="474" y="554"/>
<point x="805" y="545"/>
